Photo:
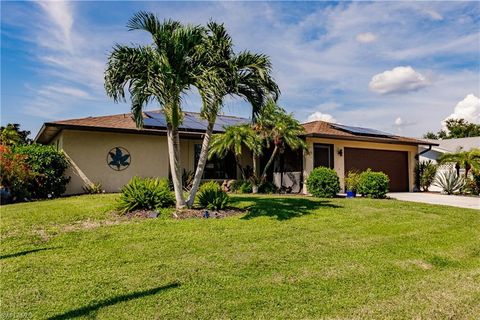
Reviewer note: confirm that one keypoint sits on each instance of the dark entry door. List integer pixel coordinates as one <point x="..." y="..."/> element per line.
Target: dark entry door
<point x="393" y="163"/>
<point x="322" y="155"/>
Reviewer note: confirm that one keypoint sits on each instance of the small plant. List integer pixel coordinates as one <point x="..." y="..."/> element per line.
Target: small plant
<point x="147" y="194"/>
<point x="187" y="179"/>
<point x="472" y="184"/>
<point x="241" y="186"/>
<point x="373" y="184"/>
<point x="323" y="182"/>
<point x="352" y="180"/>
<point x="267" y="187"/>
<point x="93" y="188"/>
<point x="211" y="196"/>
<point x="449" y="181"/>
<point x="425" y="172"/>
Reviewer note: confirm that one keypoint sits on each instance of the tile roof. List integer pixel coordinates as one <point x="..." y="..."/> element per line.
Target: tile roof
<point x="459" y="144"/>
<point x="327" y="130"/>
<point x="125" y="123"/>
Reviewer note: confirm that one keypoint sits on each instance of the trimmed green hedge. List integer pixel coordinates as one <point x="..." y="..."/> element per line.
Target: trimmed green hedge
<point x="323" y="182"/>
<point x="373" y="184"/>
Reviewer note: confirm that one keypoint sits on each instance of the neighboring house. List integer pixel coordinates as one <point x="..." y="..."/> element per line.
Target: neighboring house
<point x="446" y="146"/>
<point x="111" y="150"/>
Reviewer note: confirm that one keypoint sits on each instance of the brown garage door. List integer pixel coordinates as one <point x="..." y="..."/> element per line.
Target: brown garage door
<point x="392" y="163"/>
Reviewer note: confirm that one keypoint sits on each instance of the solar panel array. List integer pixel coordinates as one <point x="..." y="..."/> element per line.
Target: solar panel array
<point x="361" y="131"/>
<point x="191" y="121"/>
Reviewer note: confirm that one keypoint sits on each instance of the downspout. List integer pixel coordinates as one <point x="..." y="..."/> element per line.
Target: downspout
<point x="417" y="156"/>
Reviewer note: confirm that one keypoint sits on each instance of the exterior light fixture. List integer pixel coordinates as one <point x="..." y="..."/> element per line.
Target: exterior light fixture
<point x="340" y="152"/>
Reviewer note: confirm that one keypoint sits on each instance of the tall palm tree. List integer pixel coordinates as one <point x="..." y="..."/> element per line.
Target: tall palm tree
<point x="234" y="139"/>
<point x="161" y="72"/>
<point x="467" y="159"/>
<point x="279" y="128"/>
<point x="246" y="74"/>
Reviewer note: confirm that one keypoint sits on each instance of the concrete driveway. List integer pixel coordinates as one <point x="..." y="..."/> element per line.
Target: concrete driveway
<point x="437" y="198"/>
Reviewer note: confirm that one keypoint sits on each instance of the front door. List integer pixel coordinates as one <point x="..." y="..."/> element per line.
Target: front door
<point x="323" y="155"/>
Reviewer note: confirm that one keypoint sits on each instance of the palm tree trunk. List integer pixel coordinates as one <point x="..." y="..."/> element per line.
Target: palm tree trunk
<point x="202" y="161"/>
<point x="255" y="169"/>
<point x="173" y="140"/>
<point x="242" y="172"/>
<point x="269" y="163"/>
<point x="254" y="178"/>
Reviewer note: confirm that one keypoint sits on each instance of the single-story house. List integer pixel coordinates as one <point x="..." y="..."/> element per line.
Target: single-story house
<point x="111" y="150"/>
<point x="446" y="146"/>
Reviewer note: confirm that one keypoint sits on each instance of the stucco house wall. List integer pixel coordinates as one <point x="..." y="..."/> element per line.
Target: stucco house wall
<point x="88" y="150"/>
<point x="339" y="163"/>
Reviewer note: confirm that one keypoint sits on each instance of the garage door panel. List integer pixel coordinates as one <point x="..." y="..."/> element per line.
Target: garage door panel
<point x="392" y="163"/>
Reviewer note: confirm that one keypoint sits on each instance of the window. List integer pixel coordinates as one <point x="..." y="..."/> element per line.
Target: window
<point x="217" y="168"/>
<point x="323" y="155"/>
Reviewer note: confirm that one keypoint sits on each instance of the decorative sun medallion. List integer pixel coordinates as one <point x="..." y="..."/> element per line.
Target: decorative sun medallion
<point x="118" y="158"/>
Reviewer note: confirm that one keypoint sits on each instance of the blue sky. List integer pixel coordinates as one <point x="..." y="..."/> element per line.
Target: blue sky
<point x="401" y="67"/>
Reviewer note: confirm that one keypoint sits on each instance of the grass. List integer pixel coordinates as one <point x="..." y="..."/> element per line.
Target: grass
<point x="288" y="257"/>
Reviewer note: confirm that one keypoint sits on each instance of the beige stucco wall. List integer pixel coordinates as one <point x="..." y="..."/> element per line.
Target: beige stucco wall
<point x="88" y="150"/>
<point x="339" y="163"/>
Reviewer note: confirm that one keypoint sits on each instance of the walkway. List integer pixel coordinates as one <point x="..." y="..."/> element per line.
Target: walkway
<point x="437" y="198"/>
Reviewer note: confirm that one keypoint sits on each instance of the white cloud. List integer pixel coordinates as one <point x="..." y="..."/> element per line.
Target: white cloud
<point x="366" y="37"/>
<point x="64" y="90"/>
<point x="433" y="14"/>
<point x="398" y="80"/>
<point x="316" y="116"/>
<point x="468" y="109"/>
<point x="61" y="16"/>
<point x="399" y="121"/>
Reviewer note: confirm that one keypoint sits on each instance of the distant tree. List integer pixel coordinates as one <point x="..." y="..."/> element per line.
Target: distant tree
<point x="456" y="128"/>
<point x="430" y="135"/>
<point x="12" y="135"/>
<point x="460" y="128"/>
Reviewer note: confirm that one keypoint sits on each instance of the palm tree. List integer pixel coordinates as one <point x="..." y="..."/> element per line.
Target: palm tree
<point x="467" y="159"/>
<point x="276" y="126"/>
<point x="234" y="139"/>
<point x="246" y="74"/>
<point x="161" y="72"/>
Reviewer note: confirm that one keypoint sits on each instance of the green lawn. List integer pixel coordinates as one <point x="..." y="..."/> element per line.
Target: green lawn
<point x="289" y="257"/>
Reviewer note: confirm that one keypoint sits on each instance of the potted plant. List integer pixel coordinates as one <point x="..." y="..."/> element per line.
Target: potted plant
<point x="351" y="183"/>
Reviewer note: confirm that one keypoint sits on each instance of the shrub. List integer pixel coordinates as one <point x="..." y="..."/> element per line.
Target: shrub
<point x="267" y="187"/>
<point x="241" y="186"/>
<point x="93" y="188"/>
<point x="49" y="165"/>
<point x="323" y="182"/>
<point x="472" y="185"/>
<point x="16" y="176"/>
<point x="211" y="196"/>
<point x="146" y="194"/>
<point x="425" y="172"/>
<point x="352" y="180"/>
<point x="373" y="184"/>
<point x="449" y="181"/>
<point x="187" y="179"/>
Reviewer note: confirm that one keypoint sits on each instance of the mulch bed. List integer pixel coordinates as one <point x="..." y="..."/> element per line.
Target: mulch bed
<point x="207" y="214"/>
<point x="141" y="214"/>
<point x="187" y="213"/>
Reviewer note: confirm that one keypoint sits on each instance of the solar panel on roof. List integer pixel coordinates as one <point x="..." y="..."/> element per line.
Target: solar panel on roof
<point x="154" y="120"/>
<point x="191" y="121"/>
<point x="361" y="131"/>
